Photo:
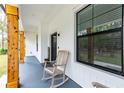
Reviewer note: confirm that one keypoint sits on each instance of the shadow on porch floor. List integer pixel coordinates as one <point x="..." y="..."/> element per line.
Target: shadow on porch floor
<point x="31" y="74"/>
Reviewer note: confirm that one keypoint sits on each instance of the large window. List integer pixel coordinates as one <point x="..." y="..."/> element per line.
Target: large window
<point x="99" y="36"/>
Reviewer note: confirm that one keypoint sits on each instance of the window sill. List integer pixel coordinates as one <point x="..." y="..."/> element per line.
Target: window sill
<point x="101" y="69"/>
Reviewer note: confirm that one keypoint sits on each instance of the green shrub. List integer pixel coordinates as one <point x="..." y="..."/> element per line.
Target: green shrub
<point x="3" y="51"/>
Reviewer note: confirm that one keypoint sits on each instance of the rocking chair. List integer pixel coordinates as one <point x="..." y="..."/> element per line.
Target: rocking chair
<point x="57" y="69"/>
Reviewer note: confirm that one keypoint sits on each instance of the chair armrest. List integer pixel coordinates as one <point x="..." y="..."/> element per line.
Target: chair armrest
<point x="49" y="62"/>
<point x="58" y="64"/>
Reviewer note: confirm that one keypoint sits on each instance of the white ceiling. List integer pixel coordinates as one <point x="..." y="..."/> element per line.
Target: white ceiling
<point x="32" y="15"/>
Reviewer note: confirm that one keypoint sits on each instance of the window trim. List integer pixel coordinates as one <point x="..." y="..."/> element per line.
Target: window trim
<point x="95" y="65"/>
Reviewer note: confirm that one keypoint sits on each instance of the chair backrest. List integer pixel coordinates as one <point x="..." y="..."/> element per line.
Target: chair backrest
<point x="62" y="57"/>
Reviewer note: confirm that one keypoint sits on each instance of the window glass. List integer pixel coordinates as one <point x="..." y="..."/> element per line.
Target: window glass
<point x="108" y="21"/>
<point x="85" y="15"/>
<point x="107" y="50"/>
<point x="83" y="49"/>
<point x="82" y="28"/>
<point x="103" y="8"/>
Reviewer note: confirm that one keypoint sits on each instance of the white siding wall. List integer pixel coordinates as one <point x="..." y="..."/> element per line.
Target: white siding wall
<point x="30" y="42"/>
<point x="30" y="39"/>
<point x="44" y="41"/>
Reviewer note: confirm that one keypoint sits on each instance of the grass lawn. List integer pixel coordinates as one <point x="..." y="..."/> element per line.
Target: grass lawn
<point x="107" y="59"/>
<point x="3" y="64"/>
<point x="116" y="60"/>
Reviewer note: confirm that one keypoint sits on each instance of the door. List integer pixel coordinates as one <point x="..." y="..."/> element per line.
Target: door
<point x="53" y="46"/>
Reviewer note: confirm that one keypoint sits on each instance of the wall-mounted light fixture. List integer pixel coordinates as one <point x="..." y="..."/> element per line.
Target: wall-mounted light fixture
<point x="58" y="34"/>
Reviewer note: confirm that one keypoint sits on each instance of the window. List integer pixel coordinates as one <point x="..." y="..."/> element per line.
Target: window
<point x="99" y="36"/>
<point x="37" y="42"/>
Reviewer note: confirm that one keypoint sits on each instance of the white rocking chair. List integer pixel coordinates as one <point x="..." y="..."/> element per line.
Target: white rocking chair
<point x="57" y="69"/>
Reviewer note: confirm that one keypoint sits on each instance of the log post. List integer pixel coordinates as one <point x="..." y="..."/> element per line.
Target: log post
<point x="13" y="64"/>
<point x="22" y="47"/>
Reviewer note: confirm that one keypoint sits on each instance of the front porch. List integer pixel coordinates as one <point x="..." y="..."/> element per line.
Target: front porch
<point x="30" y="74"/>
<point x="95" y="51"/>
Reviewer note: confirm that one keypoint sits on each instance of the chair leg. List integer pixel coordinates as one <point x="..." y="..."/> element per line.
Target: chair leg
<point x="52" y="83"/>
<point x="43" y="75"/>
<point x="64" y="80"/>
<point x="63" y="76"/>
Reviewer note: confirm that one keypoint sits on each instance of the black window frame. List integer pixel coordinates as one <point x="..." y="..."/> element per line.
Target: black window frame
<point x="95" y="65"/>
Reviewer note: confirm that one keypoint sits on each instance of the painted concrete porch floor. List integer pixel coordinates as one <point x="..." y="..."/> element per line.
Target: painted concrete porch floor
<point x="30" y="74"/>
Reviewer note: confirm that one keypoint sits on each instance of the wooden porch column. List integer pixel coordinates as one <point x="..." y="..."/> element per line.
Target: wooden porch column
<point x="13" y="68"/>
<point x="22" y="47"/>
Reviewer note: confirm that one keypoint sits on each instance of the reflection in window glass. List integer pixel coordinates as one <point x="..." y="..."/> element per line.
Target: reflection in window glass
<point x="107" y="50"/>
<point x="103" y="8"/>
<point x="83" y="49"/>
<point x="82" y="28"/>
<point x="85" y="15"/>
<point x="108" y="21"/>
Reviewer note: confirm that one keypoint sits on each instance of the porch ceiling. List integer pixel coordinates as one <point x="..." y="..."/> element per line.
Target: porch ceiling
<point x="32" y="15"/>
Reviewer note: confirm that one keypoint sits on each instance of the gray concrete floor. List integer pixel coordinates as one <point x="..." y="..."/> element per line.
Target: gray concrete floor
<point x="30" y="74"/>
